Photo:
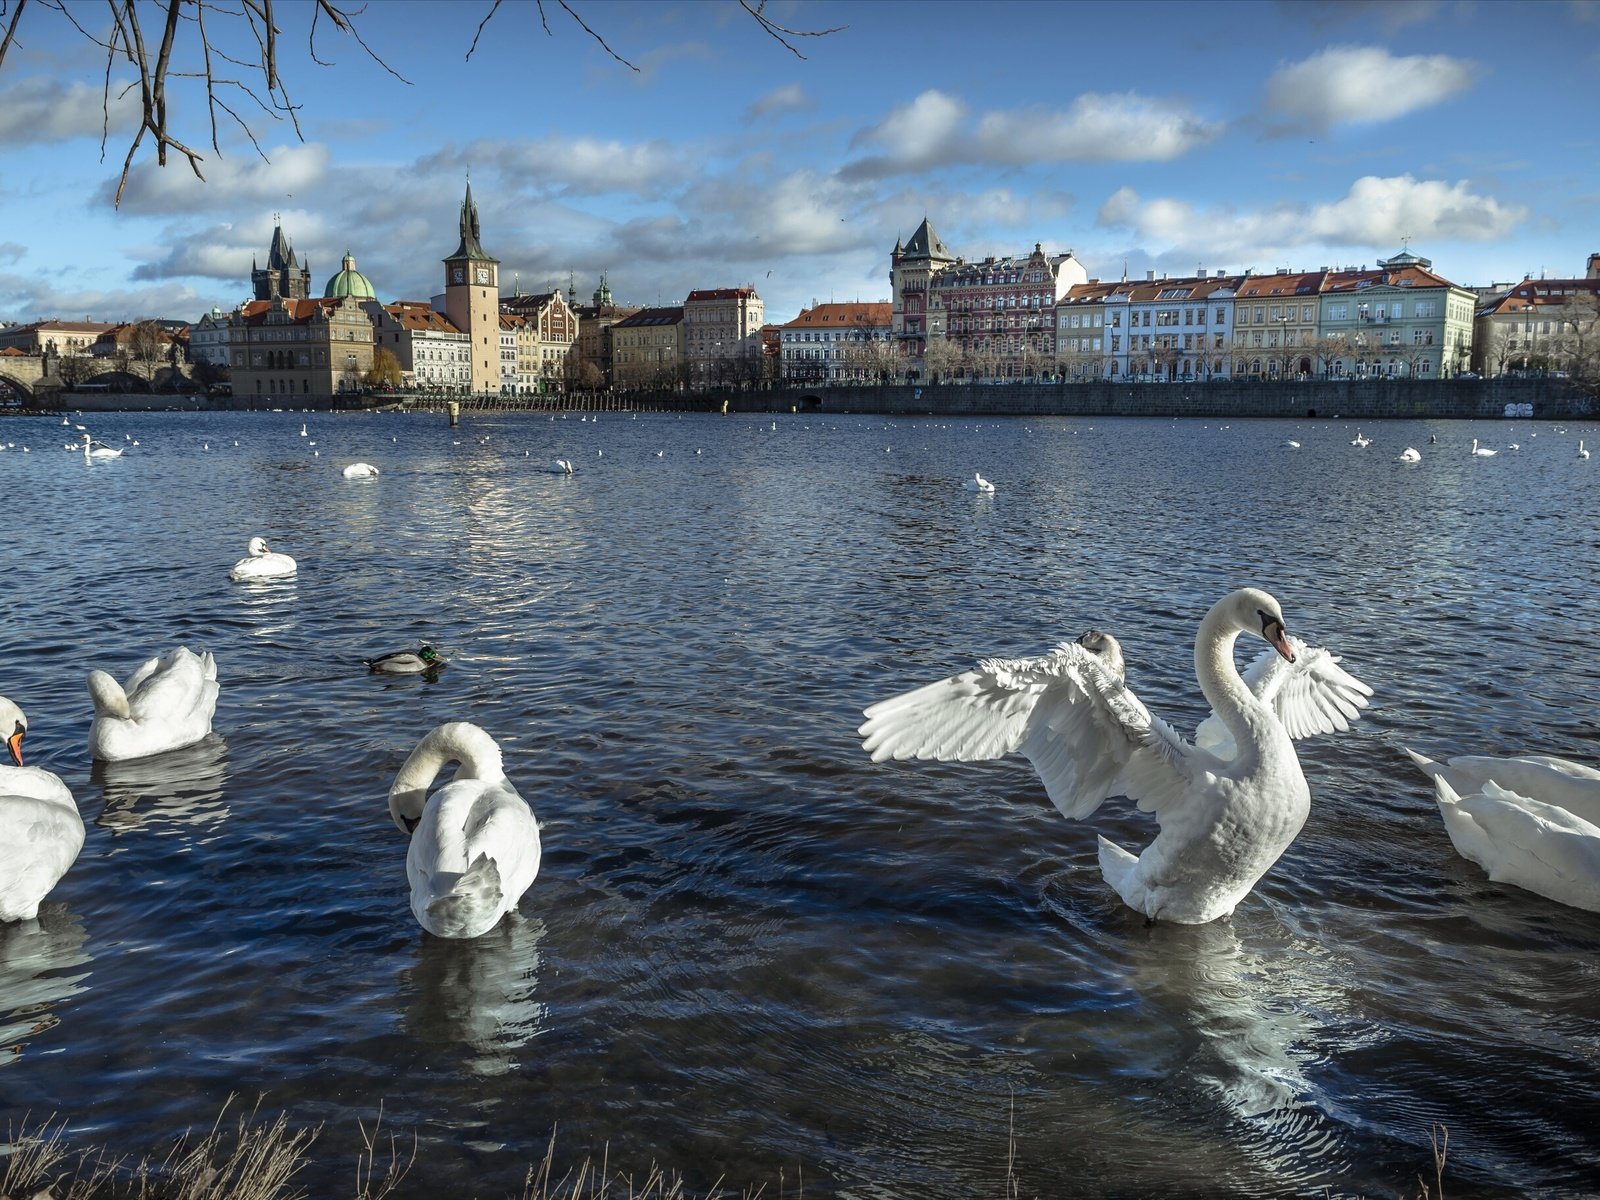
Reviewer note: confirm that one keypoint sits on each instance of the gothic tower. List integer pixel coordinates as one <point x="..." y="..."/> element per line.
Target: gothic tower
<point x="282" y="276"/>
<point x="472" y="299"/>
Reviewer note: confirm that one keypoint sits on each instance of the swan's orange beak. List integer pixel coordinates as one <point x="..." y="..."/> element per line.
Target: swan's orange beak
<point x="14" y="744"/>
<point x="1279" y="638"/>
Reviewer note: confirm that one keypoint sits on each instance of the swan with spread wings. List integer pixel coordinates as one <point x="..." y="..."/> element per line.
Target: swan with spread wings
<point x="1228" y="803"/>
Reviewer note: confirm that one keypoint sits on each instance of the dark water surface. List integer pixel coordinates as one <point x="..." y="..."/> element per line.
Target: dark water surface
<point x="749" y="949"/>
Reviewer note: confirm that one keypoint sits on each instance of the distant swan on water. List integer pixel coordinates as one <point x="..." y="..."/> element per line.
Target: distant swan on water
<point x="1410" y="454"/>
<point x="262" y="563"/>
<point x="360" y="470"/>
<point x="1361" y="441"/>
<point x="978" y="484"/>
<point x="1483" y="451"/>
<point x="560" y="466"/>
<point x="1582" y="453"/>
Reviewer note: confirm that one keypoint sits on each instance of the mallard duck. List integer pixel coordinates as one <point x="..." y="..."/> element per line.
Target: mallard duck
<point x="407" y="662"/>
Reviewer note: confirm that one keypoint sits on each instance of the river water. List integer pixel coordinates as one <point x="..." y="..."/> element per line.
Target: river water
<point x="751" y="953"/>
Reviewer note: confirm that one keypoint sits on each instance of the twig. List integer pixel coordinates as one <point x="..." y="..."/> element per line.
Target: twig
<point x="11" y="28"/>
<point x="781" y="34"/>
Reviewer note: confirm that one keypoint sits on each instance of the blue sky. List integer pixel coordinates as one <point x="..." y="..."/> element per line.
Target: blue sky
<point x="1141" y="136"/>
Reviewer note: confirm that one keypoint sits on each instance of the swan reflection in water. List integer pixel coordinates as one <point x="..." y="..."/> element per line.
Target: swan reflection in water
<point x="173" y="793"/>
<point x="1246" y="1009"/>
<point x="482" y="992"/>
<point x="35" y="957"/>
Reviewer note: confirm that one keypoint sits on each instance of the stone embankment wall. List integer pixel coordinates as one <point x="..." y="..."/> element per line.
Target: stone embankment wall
<point x="1367" y="400"/>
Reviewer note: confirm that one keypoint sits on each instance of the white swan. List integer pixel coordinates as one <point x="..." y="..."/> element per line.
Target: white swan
<point x="1358" y="440"/>
<point x="1532" y="821"/>
<point x="407" y="662"/>
<point x="1410" y="454"/>
<point x="1582" y="453"/>
<point x="167" y="703"/>
<point x="474" y="842"/>
<point x="560" y="466"/>
<point x="978" y="484"/>
<point x="360" y="470"/>
<point x="262" y="564"/>
<point x="1292" y="444"/>
<point x="1228" y="804"/>
<point x="94" y="449"/>
<point x="40" y="829"/>
<point x="1483" y="452"/>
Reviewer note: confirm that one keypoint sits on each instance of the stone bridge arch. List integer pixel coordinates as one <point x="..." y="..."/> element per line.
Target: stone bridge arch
<point x="14" y="389"/>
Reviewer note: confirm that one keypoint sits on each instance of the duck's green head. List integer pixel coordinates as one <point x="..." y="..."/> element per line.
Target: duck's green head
<point x="427" y="654"/>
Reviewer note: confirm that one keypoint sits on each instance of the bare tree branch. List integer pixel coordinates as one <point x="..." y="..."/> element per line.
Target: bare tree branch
<point x="154" y="69"/>
<point x="494" y="8"/>
<point x="590" y="32"/>
<point x="11" y="27"/>
<point x="778" y="32"/>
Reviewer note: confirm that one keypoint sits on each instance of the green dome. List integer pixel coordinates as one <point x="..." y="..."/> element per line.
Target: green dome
<point x="350" y="282"/>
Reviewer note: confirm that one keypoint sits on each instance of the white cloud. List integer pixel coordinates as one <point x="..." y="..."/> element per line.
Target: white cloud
<point x="791" y="98"/>
<point x="241" y="181"/>
<point x="581" y="166"/>
<point x="933" y="131"/>
<point x="1345" y="85"/>
<point x="1375" y="214"/>
<point x="924" y="133"/>
<point x="1124" y="127"/>
<point x="44" y="109"/>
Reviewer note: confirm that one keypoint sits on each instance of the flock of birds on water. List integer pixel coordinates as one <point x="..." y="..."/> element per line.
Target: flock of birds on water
<point x="1227" y="801"/>
<point x="1412" y="455"/>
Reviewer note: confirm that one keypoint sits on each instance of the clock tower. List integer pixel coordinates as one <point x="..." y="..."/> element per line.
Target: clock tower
<point x="472" y="299"/>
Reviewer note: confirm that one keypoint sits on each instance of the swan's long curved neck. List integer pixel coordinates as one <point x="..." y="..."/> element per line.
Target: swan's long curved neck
<point x="458" y="742"/>
<point x="1220" y="681"/>
<point x="109" y="698"/>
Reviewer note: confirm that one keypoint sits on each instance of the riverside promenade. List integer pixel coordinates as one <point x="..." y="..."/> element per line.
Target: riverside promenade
<point x="1366" y="400"/>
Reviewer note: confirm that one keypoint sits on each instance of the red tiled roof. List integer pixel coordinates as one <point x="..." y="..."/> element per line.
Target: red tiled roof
<point x="870" y="316"/>
<point x="738" y="293"/>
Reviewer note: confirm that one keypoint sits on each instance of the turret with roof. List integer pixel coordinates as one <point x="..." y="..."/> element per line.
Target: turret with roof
<point x="911" y="266"/>
<point x="349" y="282"/>
<point x="282" y="276"/>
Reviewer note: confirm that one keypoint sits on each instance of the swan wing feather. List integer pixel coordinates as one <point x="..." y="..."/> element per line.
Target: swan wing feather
<point x="1065" y="711"/>
<point x="1312" y="695"/>
<point x="1523" y="841"/>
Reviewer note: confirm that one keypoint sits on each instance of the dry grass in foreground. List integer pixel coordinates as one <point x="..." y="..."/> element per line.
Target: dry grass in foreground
<point x="257" y="1158"/>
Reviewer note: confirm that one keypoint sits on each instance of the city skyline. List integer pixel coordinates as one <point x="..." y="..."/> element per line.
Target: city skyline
<point x="1142" y="137"/>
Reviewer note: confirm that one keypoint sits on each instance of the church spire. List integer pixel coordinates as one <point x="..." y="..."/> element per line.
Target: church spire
<point x="470" y="247"/>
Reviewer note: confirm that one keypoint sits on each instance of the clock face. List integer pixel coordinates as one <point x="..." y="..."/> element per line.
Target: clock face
<point x="457" y="275"/>
<point x="483" y="274"/>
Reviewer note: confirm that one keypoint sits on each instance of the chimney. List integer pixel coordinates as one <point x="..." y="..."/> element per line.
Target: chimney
<point x="1594" y="267"/>
<point x="1200" y="272"/>
<point x="1149" y="276"/>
